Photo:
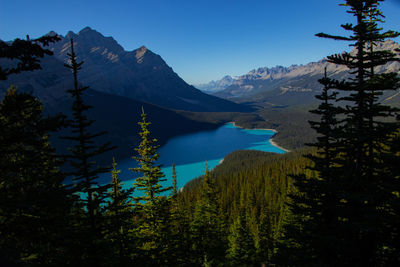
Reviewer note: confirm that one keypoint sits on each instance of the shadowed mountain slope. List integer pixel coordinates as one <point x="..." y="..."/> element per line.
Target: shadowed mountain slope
<point x="139" y="74"/>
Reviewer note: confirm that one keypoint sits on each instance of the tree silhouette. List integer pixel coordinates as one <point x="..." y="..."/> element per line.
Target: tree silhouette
<point x="85" y="171"/>
<point x="346" y="212"/>
<point x="25" y="54"/>
<point x="33" y="201"/>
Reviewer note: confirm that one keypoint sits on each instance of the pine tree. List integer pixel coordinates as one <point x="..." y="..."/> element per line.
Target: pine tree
<point x="33" y="201"/>
<point x="393" y="242"/>
<point x="179" y="231"/>
<point x="345" y="212"/>
<point x="265" y="238"/>
<point x="152" y="206"/>
<point x="25" y="53"/>
<point x="174" y="182"/>
<point x="241" y="251"/>
<point x="119" y="212"/>
<point x="318" y="194"/>
<point x="85" y="172"/>
<point x="206" y="227"/>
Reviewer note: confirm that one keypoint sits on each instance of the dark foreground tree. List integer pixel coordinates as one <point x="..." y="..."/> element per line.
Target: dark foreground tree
<point x="24" y="54"/>
<point x="33" y="200"/>
<point x="346" y="215"/>
<point x="317" y="196"/>
<point x="90" y="194"/>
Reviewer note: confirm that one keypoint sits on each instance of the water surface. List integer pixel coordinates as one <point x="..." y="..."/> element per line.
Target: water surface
<point x="191" y="152"/>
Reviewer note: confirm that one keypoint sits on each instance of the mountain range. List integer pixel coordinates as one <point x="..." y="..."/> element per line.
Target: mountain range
<point x="215" y="86"/>
<point x="294" y="85"/>
<point x="139" y="74"/>
<point x="121" y="83"/>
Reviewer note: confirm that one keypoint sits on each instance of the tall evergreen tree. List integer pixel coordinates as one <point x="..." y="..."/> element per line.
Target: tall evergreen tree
<point x="206" y="227"/>
<point x="345" y="212"/>
<point x="265" y="244"/>
<point x="119" y="213"/>
<point x="85" y="170"/>
<point x="392" y="253"/>
<point x="174" y="182"/>
<point x="178" y="227"/>
<point x="33" y="200"/>
<point x="152" y="206"/>
<point x="30" y="169"/>
<point x="241" y="251"/>
<point x="318" y="198"/>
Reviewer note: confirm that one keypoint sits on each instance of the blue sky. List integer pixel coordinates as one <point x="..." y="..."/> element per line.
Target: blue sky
<point x="200" y="39"/>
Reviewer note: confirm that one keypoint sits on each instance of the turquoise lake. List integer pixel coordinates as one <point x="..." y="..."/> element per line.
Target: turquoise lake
<point x="191" y="152"/>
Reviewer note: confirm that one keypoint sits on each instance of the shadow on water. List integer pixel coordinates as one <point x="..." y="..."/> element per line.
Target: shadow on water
<point x="209" y="145"/>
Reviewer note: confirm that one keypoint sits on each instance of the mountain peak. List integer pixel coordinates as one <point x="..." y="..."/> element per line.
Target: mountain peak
<point x="51" y="33"/>
<point x="90" y="33"/>
<point x="140" y="52"/>
<point x="139" y="74"/>
<point x="70" y="34"/>
<point x="86" y="29"/>
<point x="215" y="86"/>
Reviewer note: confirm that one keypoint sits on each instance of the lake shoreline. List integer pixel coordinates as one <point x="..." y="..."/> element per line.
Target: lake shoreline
<point x="270" y="140"/>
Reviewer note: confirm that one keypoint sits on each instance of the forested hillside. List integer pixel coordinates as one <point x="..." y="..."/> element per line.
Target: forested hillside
<point x="253" y="189"/>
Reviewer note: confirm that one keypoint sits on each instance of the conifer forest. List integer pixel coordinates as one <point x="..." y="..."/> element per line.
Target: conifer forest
<point x="334" y="201"/>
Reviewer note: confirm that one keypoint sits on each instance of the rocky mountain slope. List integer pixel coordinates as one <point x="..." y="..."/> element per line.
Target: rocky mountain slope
<point x="118" y="115"/>
<point x="293" y="85"/>
<point x="121" y="83"/>
<point x="139" y="74"/>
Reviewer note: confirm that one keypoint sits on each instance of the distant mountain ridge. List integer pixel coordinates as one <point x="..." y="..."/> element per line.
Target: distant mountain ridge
<point x="215" y="86"/>
<point x="139" y="74"/>
<point x="296" y="84"/>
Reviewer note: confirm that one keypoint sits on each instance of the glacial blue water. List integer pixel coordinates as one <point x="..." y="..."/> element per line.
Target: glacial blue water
<point x="191" y="152"/>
